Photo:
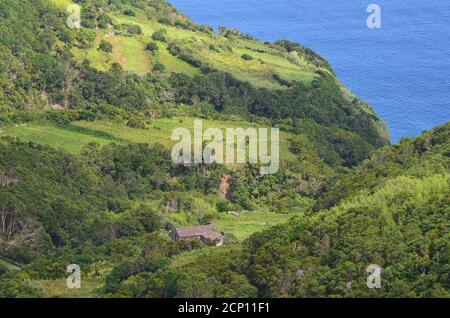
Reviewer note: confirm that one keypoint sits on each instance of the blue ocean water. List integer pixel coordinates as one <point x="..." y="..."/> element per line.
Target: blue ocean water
<point x="402" y="70"/>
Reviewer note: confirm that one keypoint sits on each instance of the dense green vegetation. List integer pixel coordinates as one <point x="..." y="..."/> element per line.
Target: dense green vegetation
<point x="114" y="197"/>
<point x="402" y="224"/>
<point x="74" y="136"/>
<point x="86" y="175"/>
<point x="85" y="72"/>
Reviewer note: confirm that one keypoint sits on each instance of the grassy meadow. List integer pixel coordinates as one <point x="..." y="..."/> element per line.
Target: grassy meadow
<point x="215" y="50"/>
<point x="70" y="140"/>
<point x="58" y="288"/>
<point x="249" y="222"/>
<point x="61" y="4"/>
<point x="75" y="136"/>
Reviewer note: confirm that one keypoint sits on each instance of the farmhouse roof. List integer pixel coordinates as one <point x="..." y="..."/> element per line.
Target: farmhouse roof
<point x="208" y="231"/>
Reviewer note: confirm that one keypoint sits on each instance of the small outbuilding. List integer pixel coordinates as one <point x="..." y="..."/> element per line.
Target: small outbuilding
<point x="205" y="233"/>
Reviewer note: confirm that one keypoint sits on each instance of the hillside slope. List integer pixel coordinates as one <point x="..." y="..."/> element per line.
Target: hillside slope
<point x="136" y="61"/>
<point x="402" y="225"/>
<point x="86" y="175"/>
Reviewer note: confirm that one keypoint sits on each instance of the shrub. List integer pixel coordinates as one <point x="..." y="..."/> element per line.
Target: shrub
<point x="184" y="54"/>
<point x="106" y="46"/>
<point x="103" y="21"/>
<point x="247" y="57"/>
<point x="135" y="123"/>
<point x="212" y="47"/>
<point x="206" y="28"/>
<point x="129" y="13"/>
<point x="152" y="47"/>
<point x="134" y="29"/>
<point x="165" y="20"/>
<point x="182" y="25"/>
<point x="159" y="35"/>
<point x="158" y="67"/>
<point x="224" y="206"/>
<point x="86" y="115"/>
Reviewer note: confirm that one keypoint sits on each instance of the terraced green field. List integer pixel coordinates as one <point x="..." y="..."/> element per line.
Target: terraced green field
<point x="58" y="288"/>
<point x="249" y="222"/>
<point x="74" y="137"/>
<point x="127" y="51"/>
<point x="218" y="52"/>
<point x="172" y="63"/>
<point x="56" y="137"/>
<point x="62" y="4"/>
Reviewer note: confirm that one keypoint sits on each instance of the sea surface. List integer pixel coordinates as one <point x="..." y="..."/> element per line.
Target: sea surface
<point x="402" y="69"/>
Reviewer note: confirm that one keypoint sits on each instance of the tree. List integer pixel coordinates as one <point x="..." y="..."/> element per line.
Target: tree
<point x="223" y="30"/>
